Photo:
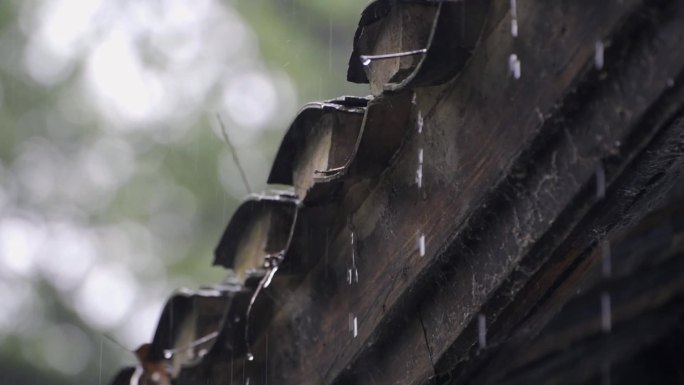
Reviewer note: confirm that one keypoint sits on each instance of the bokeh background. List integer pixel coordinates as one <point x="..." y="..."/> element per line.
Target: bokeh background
<point x="115" y="183"/>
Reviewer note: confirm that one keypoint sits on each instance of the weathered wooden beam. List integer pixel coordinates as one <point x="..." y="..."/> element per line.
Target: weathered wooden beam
<point x="507" y="210"/>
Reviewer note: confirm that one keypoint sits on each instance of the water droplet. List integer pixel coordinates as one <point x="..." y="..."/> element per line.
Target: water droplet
<point x="514" y="18"/>
<point x="365" y="61"/>
<point x="168" y="354"/>
<point x="514" y="28"/>
<point x="599" y="49"/>
<point x="356" y="327"/>
<point x="514" y="66"/>
<point x="419" y="170"/>
<point x="482" y="331"/>
<point x="600" y="182"/>
<point x="670" y="82"/>
<point x="419" y="122"/>
<point x="606" y="316"/>
<point x="421" y="245"/>
<point x="250" y="357"/>
<point x="606" y="265"/>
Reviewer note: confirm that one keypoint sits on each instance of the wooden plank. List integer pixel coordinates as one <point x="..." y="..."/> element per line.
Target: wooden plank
<point x="508" y="185"/>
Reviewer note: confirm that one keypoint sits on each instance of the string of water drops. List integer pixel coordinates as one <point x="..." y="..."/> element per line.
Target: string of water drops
<point x="514" y="65"/>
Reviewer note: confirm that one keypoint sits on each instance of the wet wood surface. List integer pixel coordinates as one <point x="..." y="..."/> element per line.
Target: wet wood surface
<point x="521" y="180"/>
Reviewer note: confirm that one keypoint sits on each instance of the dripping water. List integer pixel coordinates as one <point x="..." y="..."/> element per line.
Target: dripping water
<point x="514" y="18"/>
<point x="419" y="170"/>
<point x="421" y="245"/>
<point x="482" y="330"/>
<point x="514" y="66"/>
<point x="600" y="182"/>
<point x="599" y="49"/>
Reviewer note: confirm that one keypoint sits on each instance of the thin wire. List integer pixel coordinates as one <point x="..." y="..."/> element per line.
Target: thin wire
<point x="192" y="344"/>
<point x="366" y="59"/>
<point x="234" y="153"/>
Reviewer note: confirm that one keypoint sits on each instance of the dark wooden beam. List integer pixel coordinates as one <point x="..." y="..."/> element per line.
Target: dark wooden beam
<point x="510" y="204"/>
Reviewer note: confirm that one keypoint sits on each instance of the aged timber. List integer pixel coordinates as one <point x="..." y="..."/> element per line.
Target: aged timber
<point x="525" y="183"/>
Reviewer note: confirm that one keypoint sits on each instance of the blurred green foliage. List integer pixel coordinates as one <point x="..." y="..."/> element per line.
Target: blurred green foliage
<point x="103" y="214"/>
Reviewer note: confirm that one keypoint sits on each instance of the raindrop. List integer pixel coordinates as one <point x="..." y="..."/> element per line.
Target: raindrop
<point x="250" y="357"/>
<point x="514" y="18"/>
<point x="600" y="182"/>
<point x="421" y="245"/>
<point x="599" y="49"/>
<point x="482" y="330"/>
<point x="514" y="66"/>
<point x="352" y="272"/>
<point x="514" y="28"/>
<point x="606" y="265"/>
<point x="356" y="327"/>
<point x="606" y="316"/>
<point x="420" y="122"/>
<point x="419" y="170"/>
<point x="366" y="61"/>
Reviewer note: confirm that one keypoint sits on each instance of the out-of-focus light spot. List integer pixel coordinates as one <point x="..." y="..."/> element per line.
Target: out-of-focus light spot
<point x="66" y="348"/>
<point x="37" y="168"/>
<point x="16" y="301"/>
<point x="251" y="99"/>
<point x="43" y="65"/>
<point x="64" y="24"/>
<point x="20" y="242"/>
<point x="108" y="163"/>
<point x="126" y="91"/>
<point x="67" y="256"/>
<point x="106" y="296"/>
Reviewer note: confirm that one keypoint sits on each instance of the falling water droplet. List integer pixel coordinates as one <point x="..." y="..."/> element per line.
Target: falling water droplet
<point x="421" y="245"/>
<point x="482" y="330"/>
<point x="599" y="49"/>
<point x="419" y="122"/>
<point x="514" y="9"/>
<point x="167" y="354"/>
<point x="606" y="316"/>
<point x="419" y="170"/>
<point x="514" y="28"/>
<point x="514" y="66"/>
<point x="250" y="357"/>
<point x="356" y="327"/>
<point x="600" y="182"/>
<point x="606" y="265"/>
<point x="365" y="61"/>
